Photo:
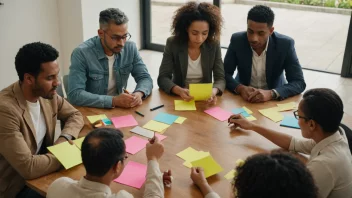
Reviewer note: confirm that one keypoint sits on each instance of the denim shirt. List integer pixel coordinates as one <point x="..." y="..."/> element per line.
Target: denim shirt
<point x="89" y="74"/>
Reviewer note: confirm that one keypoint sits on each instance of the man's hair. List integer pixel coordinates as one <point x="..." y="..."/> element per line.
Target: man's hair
<point x="192" y="11"/>
<point x="112" y="15"/>
<point x="31" y="56"/>
<point x="274" y="175"/>
<point x="102" y="149"/>
<point x="261" y="14"/>
<point x="323" y="106"/>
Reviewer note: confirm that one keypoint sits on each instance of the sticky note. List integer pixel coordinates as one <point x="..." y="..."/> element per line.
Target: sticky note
<point x="124" y="121"/>
<point x="247" y="110"/>
<point x="188" y="154"/>
<point x="143" y="132"/>
<point x="218" y="113"/>
<point x="240" y="162"/>
<point x="272" y="114"/>
<point x="135" y="144"/>
<point x="134" y="175"/>
<point x="290" y="121"/>
<point x="165" y="118"/>
<point x="287" y="106"/>
<point x="245" y="114"/>
<point x="181" y="105"/>
<point x="251" y="118"/>
<point x="156" y="126"/>
<point x="68" y="155"/>
<point x="210" y="166"/>
<point x="160" y="137"/>
<point x="201" y="154"/>
<point x="95" y="118"/>
<point x="238" y="110"/>
<point x="230" y="175"/>
<point x="180" y="120"/>
<point x="107" y="122"/>
<point x="78" y="142"/>
<point x="201" y="91"/>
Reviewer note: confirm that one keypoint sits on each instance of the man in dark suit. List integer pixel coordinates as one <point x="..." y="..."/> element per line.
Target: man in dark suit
<point x="261" y="56"/>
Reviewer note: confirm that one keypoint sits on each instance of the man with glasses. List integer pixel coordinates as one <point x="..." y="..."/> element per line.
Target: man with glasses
<point x="104" y="158"/>
<point x="100" y="67"/>
<point x="319" y="116"/>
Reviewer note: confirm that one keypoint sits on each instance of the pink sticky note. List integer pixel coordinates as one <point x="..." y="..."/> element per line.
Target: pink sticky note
<point x="218" y="113"/>
<point x="160" y="137"/>
<point x="135" y="144"/>
<point x="133" y="175"/>
<point x="124" y="121"/>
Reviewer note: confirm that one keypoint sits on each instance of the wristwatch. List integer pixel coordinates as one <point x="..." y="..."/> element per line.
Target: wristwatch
<point x="273" y="95"/>
<point x="66" y="136"/>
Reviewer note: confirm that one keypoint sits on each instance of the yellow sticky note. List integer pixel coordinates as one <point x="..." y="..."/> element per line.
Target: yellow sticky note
<point x="201" y="91"/>
<point x="251" y="118"/>
<point x="247" y="110"/>
<point x="230" y="175"/>
<point x="95" y="118"/>
<point x="68" y="155"/>
<point x="272" y="114"/>
<point x="240" y="162"/>
<point x="187" y="164"/>
<point x="201" y="154"/>
<point x="188" y="154"/>
<point x="181" y="105"/>
<point x="287" y="106"/>
<point x="210" y="166"/>
<point x="78" y="142"/>
<point x="156" y="126"/>
<point x="180" y="120"/>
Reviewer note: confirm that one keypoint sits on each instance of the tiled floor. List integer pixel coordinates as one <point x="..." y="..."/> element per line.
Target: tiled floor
<point x="343" y="86"/>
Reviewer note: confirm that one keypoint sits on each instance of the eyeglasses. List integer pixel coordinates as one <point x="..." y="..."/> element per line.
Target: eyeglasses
<point x="124" y="158"/>
<point x="295" y="113"/>
<point x="118" y="38"/>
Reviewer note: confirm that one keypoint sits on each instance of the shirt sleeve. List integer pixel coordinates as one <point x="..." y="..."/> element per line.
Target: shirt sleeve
<point x="301" y="145"/>
<point x="154" y="186"/>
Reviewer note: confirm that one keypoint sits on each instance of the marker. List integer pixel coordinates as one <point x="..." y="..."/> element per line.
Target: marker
<point x="139" y="113"/>
<point x="125" y="91"/>
<point x="155" y="108"/>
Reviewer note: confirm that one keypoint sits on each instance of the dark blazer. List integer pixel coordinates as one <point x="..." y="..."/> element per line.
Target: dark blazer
<point x="281" y="56"/>
<point x="173" y="68"/>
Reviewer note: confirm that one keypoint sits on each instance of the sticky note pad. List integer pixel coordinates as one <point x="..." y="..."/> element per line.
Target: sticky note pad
<point x="238" y="110"/>
<point x="287" y="106"/>
<point x="181" y="105"/>
<point x="143" y="132"/>
<point x="124" y="121"/>
<point x="78" y="142"/>
<point x="107" y="122"/>
<point x="199" y="155"/>
<point x="210" y="166"/>
<point x="230" y="175"/>
<point x="290" y="121"/>
<point x="95" y="118"/>
<point x="135" y="144"/>
<point x="218" y="113"/>
<point x="133" y="175"/>
<point x="201" y="91"/>
<point x="180" y="120"/>
<point x="247" y="110"/>
<point x="160" y="137"/>
<point x="245" y="114"/>
<point x="156" y="126"/>
<point x="272" y="114"/>
<point x="188" y="154"/>
<point x="165" y="118"/>
<point x="68" y="155"/>
<point x="251" y="118"/>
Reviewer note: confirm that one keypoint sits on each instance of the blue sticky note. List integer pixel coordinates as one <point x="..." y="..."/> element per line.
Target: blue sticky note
<point x="238" y="110"/>
<point x="290" y="121"/>
<point x="166" y="118"/>
<point x="107" y="122"/>
<point x="245" y="114"/>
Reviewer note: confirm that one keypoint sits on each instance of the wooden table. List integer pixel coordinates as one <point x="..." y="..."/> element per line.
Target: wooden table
<point x="199" y="131"/>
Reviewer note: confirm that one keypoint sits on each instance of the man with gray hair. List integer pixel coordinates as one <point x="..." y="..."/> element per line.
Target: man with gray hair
<point x="100" y="67"/>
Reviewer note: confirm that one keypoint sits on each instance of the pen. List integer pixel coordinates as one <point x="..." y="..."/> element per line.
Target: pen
<point x="125" y="91"/>
<point x="139" y="113"/>
<point x="155" y="108"/>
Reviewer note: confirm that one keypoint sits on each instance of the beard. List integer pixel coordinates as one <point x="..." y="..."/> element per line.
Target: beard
<point x="117" y="49"/>
<point x="40" y="92"/>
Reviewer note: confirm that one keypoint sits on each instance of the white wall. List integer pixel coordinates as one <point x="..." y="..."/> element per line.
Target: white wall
<point x="92" y="8"/>
<point x="22" y="22"/>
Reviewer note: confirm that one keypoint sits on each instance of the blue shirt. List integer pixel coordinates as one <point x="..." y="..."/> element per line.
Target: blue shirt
<point x="89" y="73"/>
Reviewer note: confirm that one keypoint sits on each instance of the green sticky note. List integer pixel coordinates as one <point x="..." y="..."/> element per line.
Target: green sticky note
<point x="68" y="155"/>
<point x="107" y="121"/>
<point x="78" y="142"/>
<point x="210" y="166"/>
<point x="201" y="91"/>
<point x="95" y="118"/>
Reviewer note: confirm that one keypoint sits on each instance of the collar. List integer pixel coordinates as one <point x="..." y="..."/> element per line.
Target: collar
<point x="265" y="50"/>
<point x="94" y="186"/>
<point x="325" y="143"/>
<point x="19" y="95"/>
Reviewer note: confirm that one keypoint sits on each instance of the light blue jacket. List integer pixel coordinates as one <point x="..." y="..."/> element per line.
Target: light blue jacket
<point x="89" y="74"/>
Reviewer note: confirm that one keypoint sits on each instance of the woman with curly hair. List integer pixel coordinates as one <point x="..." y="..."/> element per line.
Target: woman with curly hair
<point x="274" y="175"/>
<point x="193" y="54"/>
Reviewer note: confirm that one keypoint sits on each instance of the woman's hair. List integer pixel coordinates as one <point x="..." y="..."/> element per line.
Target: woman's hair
<point x="192" y="11"/>
<point x="273" y="175"/>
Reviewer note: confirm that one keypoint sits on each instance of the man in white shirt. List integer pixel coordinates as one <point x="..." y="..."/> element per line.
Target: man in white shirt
<point x="319" y="115"/>
<point x="103" y="156"/>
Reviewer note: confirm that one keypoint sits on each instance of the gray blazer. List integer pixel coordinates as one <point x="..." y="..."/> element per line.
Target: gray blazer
<point x="173" y="68"/>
